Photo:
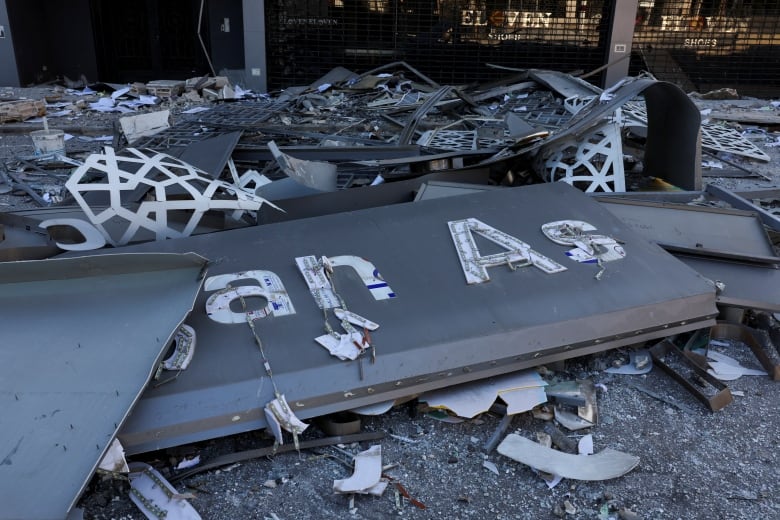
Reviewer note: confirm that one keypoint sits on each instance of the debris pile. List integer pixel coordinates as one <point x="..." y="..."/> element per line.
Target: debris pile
<point x="300" y="200"/>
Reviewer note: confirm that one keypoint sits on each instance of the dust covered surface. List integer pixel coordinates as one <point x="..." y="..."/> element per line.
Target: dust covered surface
<point x="693" y="464"/>
<point x="700" y="465"/>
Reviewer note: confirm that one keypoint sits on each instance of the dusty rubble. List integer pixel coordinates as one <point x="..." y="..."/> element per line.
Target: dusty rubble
<point x="204" y="166"/>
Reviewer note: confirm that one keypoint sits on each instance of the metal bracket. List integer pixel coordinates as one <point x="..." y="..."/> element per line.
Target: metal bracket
<point x="666" y="351"/>
<point x="743" y="334"/>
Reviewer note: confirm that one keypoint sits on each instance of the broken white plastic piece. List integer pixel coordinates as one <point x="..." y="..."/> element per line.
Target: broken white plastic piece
<point x="367" y="478"/>
<point x="571" y="421"/>
<point x="188" y="463"/>
<point x="184" y="341"/>
<point x="523" y="399"/>
<point x="156" y="497"/>
<point x="343" y="346"/>
<point x="585" y="445"/>
<point x="727" y="368"/>
<point x="114" y="459"/>
<point x="589" y="247"/>
<point x="470" y="399"/>
<point x="519" y="254"/>
<point x="280" y="416"/>
<point x="319" y="285"/>
<point x="490" y="466"/>
<point x="597" y="249"/>
<point x="605" y="465"/>
<point x="374" y="409"/>
<point x="566" y="232"/>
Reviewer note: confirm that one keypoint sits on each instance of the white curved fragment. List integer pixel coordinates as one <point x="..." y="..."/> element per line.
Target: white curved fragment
<point x="280" y="416"/>
<point x="92" y="237"/>
<point x="184" y="349"/>
<point x="367" y="476"/>
<point x="368" y="273"/>
<point x="604" y="465"/>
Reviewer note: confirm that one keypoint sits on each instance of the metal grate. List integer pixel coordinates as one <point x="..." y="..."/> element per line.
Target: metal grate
<point x="705" y="45"/>
<point x="452" y="41"/>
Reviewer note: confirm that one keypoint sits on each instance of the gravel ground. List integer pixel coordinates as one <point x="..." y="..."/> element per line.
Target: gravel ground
<point x="693" y="463"/>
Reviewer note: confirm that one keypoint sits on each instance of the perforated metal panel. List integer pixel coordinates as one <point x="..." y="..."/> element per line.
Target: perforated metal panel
<point x="709" y="44"/>
<point x="452" y="41"/>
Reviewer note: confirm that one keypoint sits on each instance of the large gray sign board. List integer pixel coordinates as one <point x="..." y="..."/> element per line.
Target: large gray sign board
<point x="437" y="330"/>
<point x="80" y="339"/>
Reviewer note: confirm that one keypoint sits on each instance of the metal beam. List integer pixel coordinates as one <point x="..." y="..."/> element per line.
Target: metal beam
<point x="621" y="38"/>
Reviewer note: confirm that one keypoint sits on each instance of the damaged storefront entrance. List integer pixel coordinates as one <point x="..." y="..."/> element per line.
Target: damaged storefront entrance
<point x="452" y="41"/>
<point x="147" y="40"/>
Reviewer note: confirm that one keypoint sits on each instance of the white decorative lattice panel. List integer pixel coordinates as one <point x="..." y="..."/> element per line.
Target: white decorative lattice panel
<point x="594" y="163"/>
<point x="714" y="137"/>
<point x="721" y="138"/>
<point x="460" y="140"/>
<point x="165" y="184"/>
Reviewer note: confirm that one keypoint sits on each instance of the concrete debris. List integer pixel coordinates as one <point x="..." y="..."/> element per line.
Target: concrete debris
<point x="21" y="110"/>
<point x="143" y="125"/>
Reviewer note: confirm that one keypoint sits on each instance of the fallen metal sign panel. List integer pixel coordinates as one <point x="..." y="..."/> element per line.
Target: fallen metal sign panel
<point x="746" y="286"/>
<point x="435" y="329"/>
<point x="738" y="201"/>
<point x="80" y="339"/>
<point x="698" y="229"/>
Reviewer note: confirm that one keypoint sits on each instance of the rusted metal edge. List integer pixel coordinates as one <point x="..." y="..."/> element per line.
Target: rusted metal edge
<point x="744" y="334"/>
<point x="715" y="402"/>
